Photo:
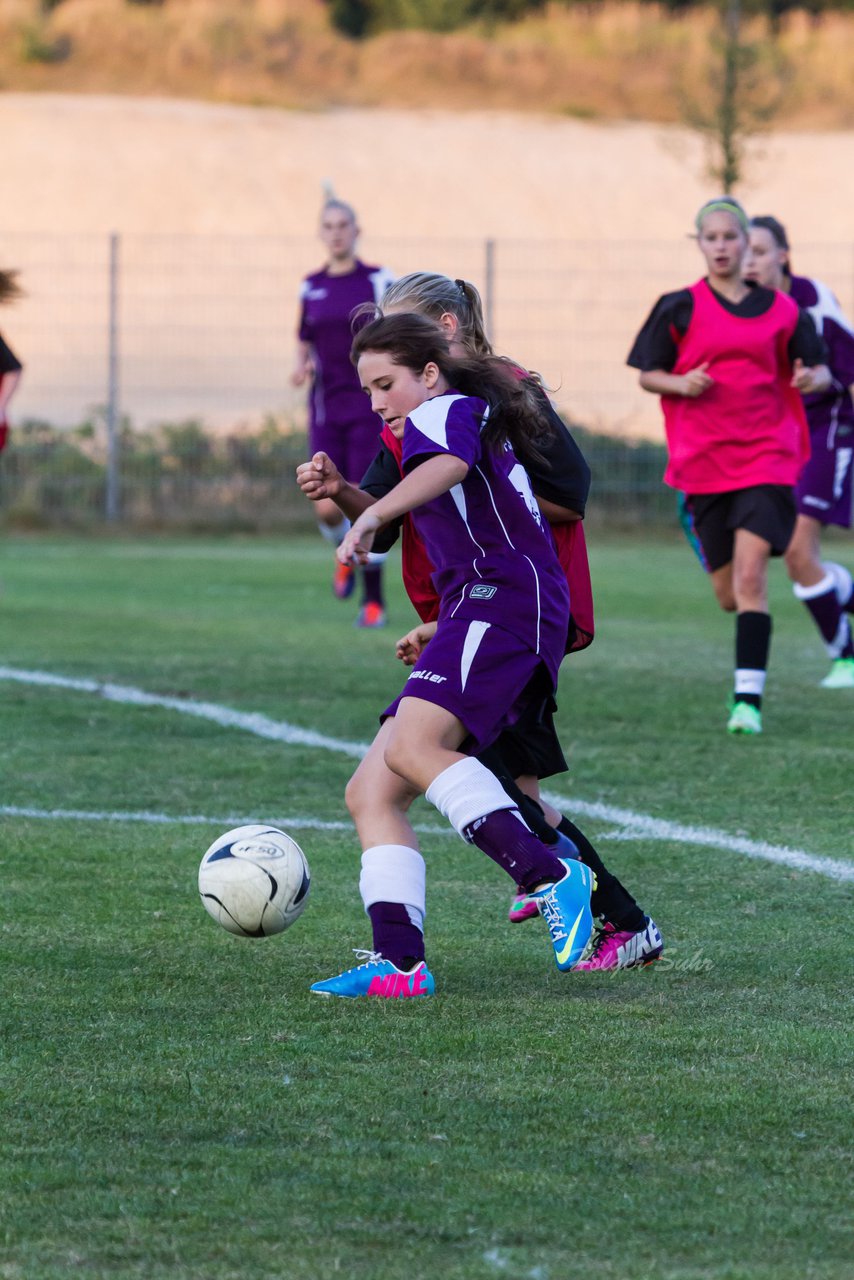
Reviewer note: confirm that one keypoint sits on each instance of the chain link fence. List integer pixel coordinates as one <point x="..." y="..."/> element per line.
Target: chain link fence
<point x="156" y="385"/>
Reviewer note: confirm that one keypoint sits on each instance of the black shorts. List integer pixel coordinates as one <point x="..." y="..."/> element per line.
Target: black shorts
<point x="530" y="747"/>
<point x="768" y="510"/>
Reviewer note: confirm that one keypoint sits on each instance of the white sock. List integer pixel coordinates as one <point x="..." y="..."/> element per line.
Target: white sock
<point x="334" y="533"/>
<point x="395" y="873"/>
<point x="466" y="791"/>
<point x="842" y="580"/>
<point x="827" y="583"/>
<point x="749" y="680"/>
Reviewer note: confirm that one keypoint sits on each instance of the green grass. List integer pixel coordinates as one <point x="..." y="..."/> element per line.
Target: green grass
<point x="175" y="1103"/>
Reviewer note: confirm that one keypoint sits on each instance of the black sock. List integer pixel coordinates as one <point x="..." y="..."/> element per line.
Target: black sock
<point x="752" y="646"/>
<point x="372" y="585"/>
<point x="530" y="810"/>
<point x="610" y="900"/>
<point x="536" y="819"/>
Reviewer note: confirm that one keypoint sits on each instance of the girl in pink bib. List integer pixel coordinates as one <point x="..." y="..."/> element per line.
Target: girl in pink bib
<point x="729" y="362"/>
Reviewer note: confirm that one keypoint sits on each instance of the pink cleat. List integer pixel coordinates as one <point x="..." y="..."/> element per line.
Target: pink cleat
<point x="522" y="908"/>
<point x="371" y="615"/>
<point x="343" y="581"/>
<point x="613" y="949"/>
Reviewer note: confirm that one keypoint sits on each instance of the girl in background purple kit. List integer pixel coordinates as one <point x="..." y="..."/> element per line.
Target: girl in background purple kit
<point x="504" y="612"/>
<point x="823" y="492"/>
<point x="340" y="419"/>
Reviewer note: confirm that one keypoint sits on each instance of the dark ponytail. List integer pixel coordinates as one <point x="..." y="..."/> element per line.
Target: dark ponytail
<point x="517" y="414"/>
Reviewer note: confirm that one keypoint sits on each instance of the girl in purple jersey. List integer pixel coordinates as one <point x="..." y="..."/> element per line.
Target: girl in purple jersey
<point x="504" y="612"/>
<point x="10" y="365"/>
<point x="728" y="362"/>
<point x="340" y="420"/>
<point x="823" y="491"/>
<point x="530" y="750"/>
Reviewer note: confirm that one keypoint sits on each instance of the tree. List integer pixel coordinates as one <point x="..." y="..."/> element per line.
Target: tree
<point x="746" y="88"/>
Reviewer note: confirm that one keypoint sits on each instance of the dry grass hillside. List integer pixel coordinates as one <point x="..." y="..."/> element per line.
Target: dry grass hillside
<point x="608" y="61"/>
<point x="202" y="133"/>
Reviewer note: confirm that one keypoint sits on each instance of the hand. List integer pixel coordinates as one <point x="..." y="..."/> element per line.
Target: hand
<point x="696" y="381"/>
<point x="302" y="373"/>
<point x="359" y="539"/>
<point x="410" y="647"/>
<point x="319" y="478"/>
<point x="806" y="379"/>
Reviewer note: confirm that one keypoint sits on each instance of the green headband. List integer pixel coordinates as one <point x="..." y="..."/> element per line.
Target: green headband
<point x="724" y="206"/>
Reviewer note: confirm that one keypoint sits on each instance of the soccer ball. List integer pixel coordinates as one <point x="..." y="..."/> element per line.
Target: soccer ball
<point x="254" y="881"/>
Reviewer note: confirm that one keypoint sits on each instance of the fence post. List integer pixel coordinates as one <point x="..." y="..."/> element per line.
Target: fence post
<point x="113" y="493"/>
<point x="489" y="286"/>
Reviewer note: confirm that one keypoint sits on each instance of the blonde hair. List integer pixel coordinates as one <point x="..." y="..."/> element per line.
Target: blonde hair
<point x="332" y="202"/>
<point x="723" y="204"/>
<point x="433" y="296"/>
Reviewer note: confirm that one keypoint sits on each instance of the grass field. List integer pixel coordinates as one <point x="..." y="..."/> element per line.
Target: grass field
<point x="176" y="1104"/>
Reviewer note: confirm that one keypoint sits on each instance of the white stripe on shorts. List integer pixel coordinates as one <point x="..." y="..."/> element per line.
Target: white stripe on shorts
<point x="474" y="635"/>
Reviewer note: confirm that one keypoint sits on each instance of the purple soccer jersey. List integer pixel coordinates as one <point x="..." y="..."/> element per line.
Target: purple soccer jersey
<point x="341" y="422"/>
<point x="493" y="555"/>
<point x="824" y="488"/>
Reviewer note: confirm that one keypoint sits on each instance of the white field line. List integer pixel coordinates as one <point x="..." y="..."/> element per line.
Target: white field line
<point x="630" y="825"/>
<point x="193" y="819"/>
<point x="250" y="722"/>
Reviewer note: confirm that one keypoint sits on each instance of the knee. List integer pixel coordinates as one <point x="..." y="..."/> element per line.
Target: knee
<point x="355" y="796"/>
<point x="399" y="758"/>
<point x="725" y="597"/>
<point x="798" y="563"/>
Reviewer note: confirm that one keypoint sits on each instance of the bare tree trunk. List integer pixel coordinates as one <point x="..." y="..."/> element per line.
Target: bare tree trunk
<point x="730" y="125"/>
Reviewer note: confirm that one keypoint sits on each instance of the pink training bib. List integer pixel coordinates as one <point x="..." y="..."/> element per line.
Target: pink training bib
<point x="749" y="428"/>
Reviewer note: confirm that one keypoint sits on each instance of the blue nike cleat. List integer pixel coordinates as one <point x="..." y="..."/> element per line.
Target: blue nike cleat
<point x="565" y="907"/>
<point x="378" y="977"/>
<point x="523" y="906"/>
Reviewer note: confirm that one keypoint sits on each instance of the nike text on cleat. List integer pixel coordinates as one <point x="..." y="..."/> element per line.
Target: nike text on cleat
<point x="745" y="718"/>
<point x="344" y="581"/>
<point x="565" y="907"/>
<point x="612" y="948"/>
<point x="522" y="908"/>
<point x="841" y="675"/>
<point x="378" y="977"/>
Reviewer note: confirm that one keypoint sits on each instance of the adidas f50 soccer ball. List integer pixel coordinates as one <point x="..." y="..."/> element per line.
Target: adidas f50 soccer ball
<point x="254" y="881"/>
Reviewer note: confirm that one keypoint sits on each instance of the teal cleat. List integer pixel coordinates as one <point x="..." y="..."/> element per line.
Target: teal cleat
<point x="745" y="718"/>
<point x="378" y="977"/>
<point x="565" y="907"/>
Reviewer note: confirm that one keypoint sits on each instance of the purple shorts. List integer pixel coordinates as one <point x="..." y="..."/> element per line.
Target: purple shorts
<point x="824" y="490"/>
<point x="351" y="447"/>
<point x="478" y="672"/>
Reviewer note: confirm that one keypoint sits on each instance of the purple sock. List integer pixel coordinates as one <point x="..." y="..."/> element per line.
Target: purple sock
<point x="504" y="837"/>
<point x="395" y="936"/>
<point x="372" y="585"/>
<point x="832" y="622"/>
